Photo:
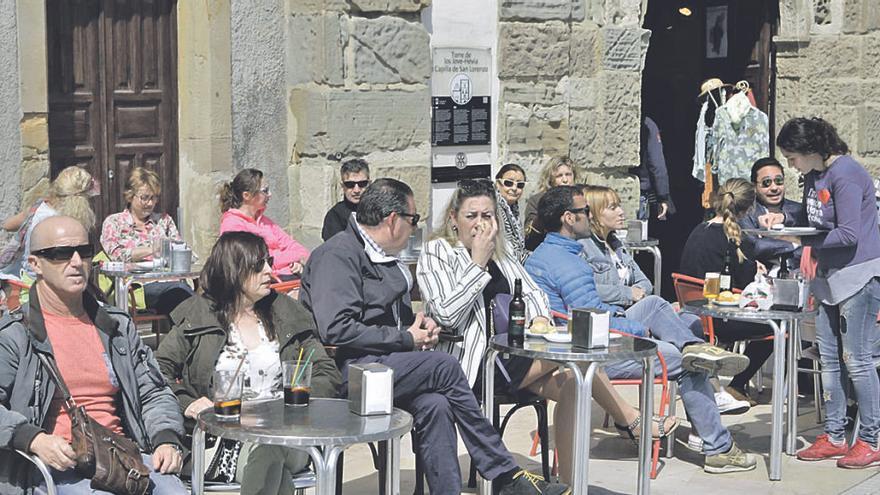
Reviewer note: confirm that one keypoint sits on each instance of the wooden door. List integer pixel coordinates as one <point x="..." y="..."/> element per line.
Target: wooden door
<point x="112" y="67"/>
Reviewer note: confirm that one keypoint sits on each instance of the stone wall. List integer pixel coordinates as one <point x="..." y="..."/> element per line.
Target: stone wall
<point x="828" y="58"/>
<point x="356" y="83"/>
<point x="570" y="74"/>
<point x="10" y="112"/>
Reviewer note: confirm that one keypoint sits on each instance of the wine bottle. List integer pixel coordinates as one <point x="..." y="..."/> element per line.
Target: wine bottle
<point x="726" y="280"/>
<point x="517" y="311"/>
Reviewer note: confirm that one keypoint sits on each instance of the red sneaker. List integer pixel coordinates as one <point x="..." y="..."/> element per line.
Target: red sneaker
<point x="862" y="455"/>
<point x="823" y="448"/>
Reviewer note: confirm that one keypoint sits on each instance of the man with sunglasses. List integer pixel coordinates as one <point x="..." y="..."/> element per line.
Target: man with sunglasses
<point x="771" y="208"/>
<point x="358" y="292"/>
<point x="558" y="268"/>
<point x="355" y="174"/>
<point x="100" y="357"/>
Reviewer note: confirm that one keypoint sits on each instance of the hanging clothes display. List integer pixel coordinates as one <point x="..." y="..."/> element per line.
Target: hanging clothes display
<point x="741" y="134"/>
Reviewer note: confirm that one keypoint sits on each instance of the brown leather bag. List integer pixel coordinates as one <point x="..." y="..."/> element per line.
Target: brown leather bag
<point x="111" y="461"/>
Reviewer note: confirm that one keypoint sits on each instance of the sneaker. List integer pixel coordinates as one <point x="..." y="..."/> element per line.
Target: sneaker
<point x="860" y="456"/>
<point x="713" y="360"/>
<point x="823" y="448"/>
<point x="526" y="483"/>
<point x="695" y="443"/>
<point x="727" y="404"/>
<point x="732" y="461"/>
<point x="738" y="394"/>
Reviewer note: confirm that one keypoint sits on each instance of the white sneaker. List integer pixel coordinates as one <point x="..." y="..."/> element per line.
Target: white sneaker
<point x="695" y="443"/>
<point x="728" y="405"/>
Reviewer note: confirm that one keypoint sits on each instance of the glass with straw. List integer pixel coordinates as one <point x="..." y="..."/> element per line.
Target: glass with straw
<point x="297" y="382"/>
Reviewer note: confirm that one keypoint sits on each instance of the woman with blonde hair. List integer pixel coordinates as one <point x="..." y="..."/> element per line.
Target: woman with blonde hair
<point x="559" y="171"/>
<point x="129" y="236"/>
<point x="705" y="251"/>
<point x="68" y="195"/>
<point x="243" y="201"/>
<point x="461" y="271"/>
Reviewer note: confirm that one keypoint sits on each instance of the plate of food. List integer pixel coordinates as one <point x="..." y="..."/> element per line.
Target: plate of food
<point x="542" y="329"/>
<point x="727" y="298"/>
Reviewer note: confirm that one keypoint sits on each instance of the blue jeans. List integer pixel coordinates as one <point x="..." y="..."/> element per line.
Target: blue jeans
<point x="847" y="335"/>
<point x="671" y="334"/>
<point x="70" y="483"/>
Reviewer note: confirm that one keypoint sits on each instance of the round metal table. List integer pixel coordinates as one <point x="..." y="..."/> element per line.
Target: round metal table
<point x="652" y="246"/>
<point x="620" y="349"/>
<point x="783" y="323"/>
<point x="122" y="279"/>
<point x="323" y="429"/>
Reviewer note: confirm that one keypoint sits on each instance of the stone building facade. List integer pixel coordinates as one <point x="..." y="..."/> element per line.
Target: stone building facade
<point x="294" y="86"/>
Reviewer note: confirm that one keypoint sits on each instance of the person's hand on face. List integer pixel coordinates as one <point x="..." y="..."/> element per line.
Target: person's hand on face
<point x="483" y="244"/>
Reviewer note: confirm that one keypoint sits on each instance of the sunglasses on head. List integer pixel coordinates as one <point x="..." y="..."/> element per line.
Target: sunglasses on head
<point x="779" y="180"/>
<point x="349" y="184"/>
<point x="413" y="217"/>
<point x="520" y="184"/>
<point x="258" y="266"/>
<point x="65" y="253"/>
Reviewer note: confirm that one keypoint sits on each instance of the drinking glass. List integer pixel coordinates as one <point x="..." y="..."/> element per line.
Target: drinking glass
<point x="297" y="384"/>
<point x="227" y="395"/>
<point x="712" y="287"/>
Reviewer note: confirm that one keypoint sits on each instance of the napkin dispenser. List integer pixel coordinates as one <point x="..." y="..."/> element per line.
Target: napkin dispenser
<point x="370" y="389"/>
<point x="788" y="294"/>
<point x="589" y="328"/>
<point x="636" y="231"/>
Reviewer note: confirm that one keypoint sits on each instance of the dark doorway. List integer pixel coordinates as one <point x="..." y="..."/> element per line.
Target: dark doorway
<point x="112" y="69"/>
<point x="677" y="63"/>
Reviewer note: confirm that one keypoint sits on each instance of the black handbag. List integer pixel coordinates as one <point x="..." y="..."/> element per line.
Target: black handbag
<point x="111" y="461"/>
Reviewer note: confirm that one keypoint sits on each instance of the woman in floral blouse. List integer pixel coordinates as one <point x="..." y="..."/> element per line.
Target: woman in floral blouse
<point x="129" y="235"/>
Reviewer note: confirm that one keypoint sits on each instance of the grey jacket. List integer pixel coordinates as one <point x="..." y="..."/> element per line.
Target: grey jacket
<point x="149" y="411"/>
<point x="610" y="287"/>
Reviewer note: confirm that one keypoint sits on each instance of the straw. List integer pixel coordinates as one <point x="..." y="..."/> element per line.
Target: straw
<point x="296" y="370"/>
<point x="303" y="372"/>
<point x="234" y="376"/>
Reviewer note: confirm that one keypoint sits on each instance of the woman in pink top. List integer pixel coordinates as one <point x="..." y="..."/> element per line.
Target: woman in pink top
<point x="243" y="201"/>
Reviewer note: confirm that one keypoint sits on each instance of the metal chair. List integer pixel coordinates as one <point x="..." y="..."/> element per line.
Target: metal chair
<point x="44" y="470"/>
<point x="12" y="293"/>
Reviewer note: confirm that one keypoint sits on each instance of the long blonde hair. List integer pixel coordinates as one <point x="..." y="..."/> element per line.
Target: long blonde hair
<point x="467" y="189"/>
<point x="732" y="201"/>
<point x="69" y="195"/>
<point x="546" y="180"/>
<point x="598" y="198"/>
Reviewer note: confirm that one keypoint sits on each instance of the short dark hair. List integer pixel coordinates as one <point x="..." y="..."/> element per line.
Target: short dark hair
<point x="507" y="168"/>
<point x="354" y="166"/>
<point x="815" y="135"/>
<point x="767" y="161"/>
<point x="556" y="201"/>
<point x="381" y="198"/>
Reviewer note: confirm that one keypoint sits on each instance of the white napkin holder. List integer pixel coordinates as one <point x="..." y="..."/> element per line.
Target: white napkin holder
<point x="589" y="328"/>
<point x="370" y="389"/>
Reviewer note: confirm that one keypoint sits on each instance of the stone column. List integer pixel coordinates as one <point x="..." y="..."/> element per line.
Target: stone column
<point x="10" y="112"/>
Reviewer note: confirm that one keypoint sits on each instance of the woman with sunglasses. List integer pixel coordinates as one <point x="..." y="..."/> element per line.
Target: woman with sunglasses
<point x="839" y="197"/>
<point x="243" y="202"/>
<point x="461" y="271"/>
<point x="509" y="184"/>
<point x="559" y="171"/>
<point x="239" y="323"/>
<point x="129" y="236"/>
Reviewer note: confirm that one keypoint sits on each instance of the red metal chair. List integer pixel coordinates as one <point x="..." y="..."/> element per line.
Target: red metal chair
<point x="13" y="290"/>
<point x="289" y="288"/>
<point x="667" y="401"/>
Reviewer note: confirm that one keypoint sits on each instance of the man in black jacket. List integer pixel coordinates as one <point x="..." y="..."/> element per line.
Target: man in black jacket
<point x="355" y="174"/>
<point x="358" y="292"/>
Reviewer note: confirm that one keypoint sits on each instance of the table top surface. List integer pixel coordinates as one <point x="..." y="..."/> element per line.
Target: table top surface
<point x="619" y="349"/>
<point x="134" y="271"/>
<point x="787" y="232"/>
<point x="322" y="422"/>
<point x="642" y="244"/>
<point x="701" y="308"/>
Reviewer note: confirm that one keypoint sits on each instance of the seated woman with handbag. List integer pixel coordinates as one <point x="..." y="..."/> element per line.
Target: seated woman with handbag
<point x="461" y="272"/>
<point x="239" y="323"/>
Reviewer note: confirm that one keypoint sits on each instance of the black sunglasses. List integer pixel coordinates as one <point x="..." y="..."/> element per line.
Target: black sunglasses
<point x="349" y="184"/>
<point x="65" y="253"/>
<point x="585" y="210"/>
<point x="258" y="266"/>
<point x="520" y="184"/>
<point x="779" y="180"/>
<point x="413" y="217"/>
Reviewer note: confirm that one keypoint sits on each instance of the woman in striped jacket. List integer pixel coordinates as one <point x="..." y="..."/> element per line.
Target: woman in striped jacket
<point x="461" y="271"/>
